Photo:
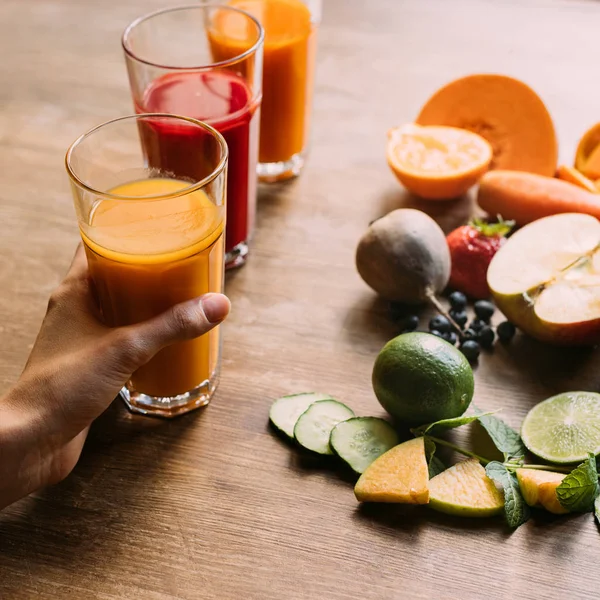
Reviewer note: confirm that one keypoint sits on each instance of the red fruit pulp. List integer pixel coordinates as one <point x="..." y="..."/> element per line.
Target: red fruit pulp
<point x="224" y="101"/>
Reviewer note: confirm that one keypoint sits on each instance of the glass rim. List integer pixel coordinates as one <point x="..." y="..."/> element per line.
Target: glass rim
<point x="186" y="190"/>
<point x="205" y="67"/>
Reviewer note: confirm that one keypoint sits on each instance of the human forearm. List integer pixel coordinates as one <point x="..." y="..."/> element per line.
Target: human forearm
<point x="75" y="370"/>
<point x="25" y="456"/>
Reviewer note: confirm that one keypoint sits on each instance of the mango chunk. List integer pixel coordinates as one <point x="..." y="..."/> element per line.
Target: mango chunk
<point x="399" y="475"/>
<point x="539" y="489"/>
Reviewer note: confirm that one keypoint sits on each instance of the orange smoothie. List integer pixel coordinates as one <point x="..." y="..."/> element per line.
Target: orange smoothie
<point x="147" y="255"/>
<point x="288" y="70"/>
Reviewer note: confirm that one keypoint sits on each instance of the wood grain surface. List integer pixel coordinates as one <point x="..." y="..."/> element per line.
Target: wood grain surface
<point x="213" y="505"/>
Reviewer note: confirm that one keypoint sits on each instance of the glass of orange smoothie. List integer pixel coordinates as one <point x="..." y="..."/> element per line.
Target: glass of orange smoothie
<point x="288" y="74"/>
<point x="154" y="237"/>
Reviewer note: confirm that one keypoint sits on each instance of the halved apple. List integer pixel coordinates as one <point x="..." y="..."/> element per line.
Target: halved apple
<point x="546" y="279"/>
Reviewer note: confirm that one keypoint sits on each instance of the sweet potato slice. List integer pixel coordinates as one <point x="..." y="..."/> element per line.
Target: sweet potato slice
<point x="591" y="166"/>
<point x="572" y="175"/>
<point x="589" y="142"/>
<point x="503" y="110"/>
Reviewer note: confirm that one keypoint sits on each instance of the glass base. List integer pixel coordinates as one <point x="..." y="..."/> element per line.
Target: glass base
<point x="279" y="171"/>
<point x="170" y="406"/>
<point x="236" y="257"/>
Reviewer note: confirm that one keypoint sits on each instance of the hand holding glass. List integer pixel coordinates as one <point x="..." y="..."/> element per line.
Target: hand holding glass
<point x="153" y="238"/>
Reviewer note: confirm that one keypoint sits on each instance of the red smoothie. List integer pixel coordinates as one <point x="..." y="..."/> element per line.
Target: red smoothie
<point x="222" y="100"/>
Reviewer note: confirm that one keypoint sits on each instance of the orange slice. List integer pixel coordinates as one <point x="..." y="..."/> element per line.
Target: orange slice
<point x="572" y="175"/>
<point x="437" y="162"/>
<point x="587" y="156"/>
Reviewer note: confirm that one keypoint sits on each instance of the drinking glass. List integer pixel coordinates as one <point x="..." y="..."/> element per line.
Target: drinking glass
<point x="153" y="235"/>
<point x="175" y="66"/>
<point x="290" y="49"/>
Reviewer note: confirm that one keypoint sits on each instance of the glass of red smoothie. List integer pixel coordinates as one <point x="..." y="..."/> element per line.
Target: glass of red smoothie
<point x="174" y="68"/>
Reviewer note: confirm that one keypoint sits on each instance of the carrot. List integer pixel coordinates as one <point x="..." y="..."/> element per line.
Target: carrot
<point x="525" y="197"/>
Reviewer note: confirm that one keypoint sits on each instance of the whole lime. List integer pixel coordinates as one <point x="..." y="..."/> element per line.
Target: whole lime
<point x="420" y="378"/>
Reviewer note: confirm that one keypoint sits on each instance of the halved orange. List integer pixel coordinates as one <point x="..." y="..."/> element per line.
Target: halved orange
<point x="437" y="162"/>
<point x="587" y="156"/>
<point x="572" y="175"/>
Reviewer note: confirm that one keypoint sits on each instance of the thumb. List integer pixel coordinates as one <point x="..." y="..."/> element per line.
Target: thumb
<point x="181" y="322"/>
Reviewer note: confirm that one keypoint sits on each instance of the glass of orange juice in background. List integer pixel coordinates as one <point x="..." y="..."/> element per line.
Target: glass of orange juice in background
<point x="153" y="238"/>
<point x="288" y="75"/>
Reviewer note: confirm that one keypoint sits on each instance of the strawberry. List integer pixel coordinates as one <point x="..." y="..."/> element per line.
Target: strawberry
<point x="472" y="248"/>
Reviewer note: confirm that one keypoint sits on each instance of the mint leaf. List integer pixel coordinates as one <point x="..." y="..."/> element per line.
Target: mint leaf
<point x="516" y="510"/>
<point x="505" y="438"/>
<point x="579" y="488"/>
<point x="435" y="465"/>
<point x="430" y="448"/>
<point x="446" y="424"/>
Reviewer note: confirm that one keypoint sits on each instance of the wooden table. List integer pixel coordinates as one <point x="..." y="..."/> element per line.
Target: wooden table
<point x="213" y="505"/>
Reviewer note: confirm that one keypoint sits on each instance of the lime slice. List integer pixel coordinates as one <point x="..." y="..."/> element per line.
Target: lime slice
<point x="564" y="428"/>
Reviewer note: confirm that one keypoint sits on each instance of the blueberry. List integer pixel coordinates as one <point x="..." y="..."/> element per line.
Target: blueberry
<point x="451" y="337"/>
<point x="484" y="309"/>
<point x="477" y="325"/>
<point x="458" y="301"/>
<point x="506" y="331"/>
<point x="459" y="316"/>
<point x="409" y="323"/>
<point x="471" y="350"/>
<point x="437" y="333"/>
<point x="440" y="323"/>
<point x="486" y="337"/>
<point x="469" y="334"/>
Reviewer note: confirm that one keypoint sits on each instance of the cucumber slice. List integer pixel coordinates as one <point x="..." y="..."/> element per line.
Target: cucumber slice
<point x="314" y="426"/>
<point x="359" y="441"/>
<point x="285" y="411"/>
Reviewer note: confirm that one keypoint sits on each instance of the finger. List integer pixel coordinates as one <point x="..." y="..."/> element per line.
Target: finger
<point x="79" y="265"/>
<point x="78" y="273"/>
<point x="185" y="321"/>
<point x="77" y="285"/>
<point x="74" y="289"/>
